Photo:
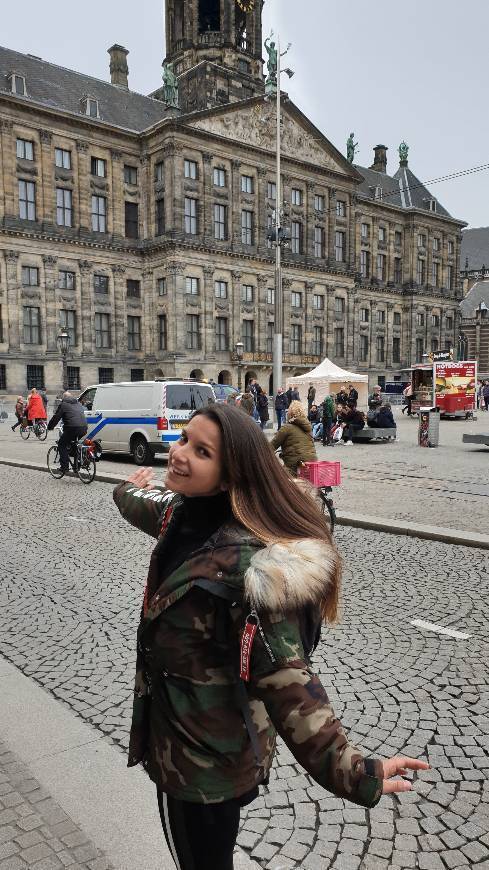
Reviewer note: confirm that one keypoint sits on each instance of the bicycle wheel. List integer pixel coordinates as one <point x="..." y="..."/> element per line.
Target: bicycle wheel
<point x="41" y="431"/>
<point x="328" y="508"/>
<point x="54" y="462"/>
<point x="86" y="468"/>
<point x="25" y="431"/>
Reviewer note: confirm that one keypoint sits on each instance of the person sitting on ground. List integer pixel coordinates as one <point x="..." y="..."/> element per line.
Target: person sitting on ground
<point x="35" y="407"/>
<point x="295" y="439"/>
<point x="384" y="418"/>
<point x="314" y="415"/>
<point x="247" y="404"/>
<point x="74" y="426"/>
<point x="19" y="412"/>
<point x="375" y="398"/>
<point x="353" y="421"/>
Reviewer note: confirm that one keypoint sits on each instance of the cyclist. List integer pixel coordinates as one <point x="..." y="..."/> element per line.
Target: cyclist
<point x="36" y="411"/>
<point x="295" y="439"/>
<point x="71" y="413"/>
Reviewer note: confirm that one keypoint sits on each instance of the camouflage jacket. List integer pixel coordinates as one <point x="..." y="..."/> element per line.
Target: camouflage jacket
<point x="187" y="728"/>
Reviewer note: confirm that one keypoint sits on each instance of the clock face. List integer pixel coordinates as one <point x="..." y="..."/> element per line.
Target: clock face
<point x="246" y="5"/>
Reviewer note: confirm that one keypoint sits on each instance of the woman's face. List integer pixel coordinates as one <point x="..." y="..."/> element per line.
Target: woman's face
<point x="195" y="461"/>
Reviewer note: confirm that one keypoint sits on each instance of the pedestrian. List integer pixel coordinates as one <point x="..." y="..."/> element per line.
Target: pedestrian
<point x="44" y="398"/>
<point x="19" y="411"/>
<point x="35" y="407"/>
<point x="253" y="389"/>
<point x="485" y="395"/>
<point x="239" y="547"/>
<point x="247" y="404"/>
<point x="342" y="396"/>
<point x="72" y="415"/>
<point x="295" y="439"/>
<point x="408" y="398"/>
<point x="288" y="395"/>
<point x="262" y="406"/>
<point x="311" y="395"/>
<point x="375" y="398"/>
<point x="281" y="406"/>
<point x="328" y="414"/>
<point x="352" y="397"/>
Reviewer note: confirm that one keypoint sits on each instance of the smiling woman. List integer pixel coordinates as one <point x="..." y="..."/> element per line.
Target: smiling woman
<point x="239" y="582"/>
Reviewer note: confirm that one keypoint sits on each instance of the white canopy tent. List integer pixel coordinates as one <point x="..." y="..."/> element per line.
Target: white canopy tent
<point x="329" y="378"/>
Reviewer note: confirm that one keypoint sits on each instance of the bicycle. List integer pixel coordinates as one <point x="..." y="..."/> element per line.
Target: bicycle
<point x="82" y="458"/>
<point x="325" y="493"/>
<point x="38" y="427"/>
<point x="323" y="476"/>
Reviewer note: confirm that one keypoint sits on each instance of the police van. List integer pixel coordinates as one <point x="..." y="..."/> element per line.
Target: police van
<point x="142" y="418"/>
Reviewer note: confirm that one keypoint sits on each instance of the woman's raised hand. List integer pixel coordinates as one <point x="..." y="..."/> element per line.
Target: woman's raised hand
<point x="142" y="478"/>
<point x="399" y="766"/>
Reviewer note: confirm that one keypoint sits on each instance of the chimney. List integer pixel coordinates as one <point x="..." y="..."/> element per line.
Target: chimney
<point x="380" y="159"/>
<point x="119" y="69"/>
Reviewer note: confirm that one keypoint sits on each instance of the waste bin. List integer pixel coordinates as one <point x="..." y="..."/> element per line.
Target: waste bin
<point x="429" y="427"/>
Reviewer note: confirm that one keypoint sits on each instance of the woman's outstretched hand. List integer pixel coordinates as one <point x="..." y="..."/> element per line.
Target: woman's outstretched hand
<point x="142" y="478"/>
<point x="399" y="766"/>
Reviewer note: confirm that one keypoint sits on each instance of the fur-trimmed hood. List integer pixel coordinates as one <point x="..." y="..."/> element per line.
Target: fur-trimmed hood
<point x="291" y="575"/>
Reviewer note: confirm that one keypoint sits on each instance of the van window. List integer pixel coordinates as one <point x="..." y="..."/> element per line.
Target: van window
<point x="87" y="398"/>
<point x="187" y="397"/>
<point x="203" y="396"/>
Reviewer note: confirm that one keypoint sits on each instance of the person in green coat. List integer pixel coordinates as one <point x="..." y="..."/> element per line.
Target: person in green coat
<point x="295" y="439"/>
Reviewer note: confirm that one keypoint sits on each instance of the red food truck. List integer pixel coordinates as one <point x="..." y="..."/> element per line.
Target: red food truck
<point x="444" y="384"/>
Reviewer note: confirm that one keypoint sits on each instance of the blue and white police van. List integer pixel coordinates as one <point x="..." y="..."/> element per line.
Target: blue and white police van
<point x="142" y="418"/>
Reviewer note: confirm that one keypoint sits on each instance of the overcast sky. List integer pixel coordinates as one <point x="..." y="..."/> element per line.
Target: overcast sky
<point x="388" y="70"/>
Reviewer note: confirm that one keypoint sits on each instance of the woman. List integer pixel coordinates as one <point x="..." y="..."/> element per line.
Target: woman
<point x="295" y="439"/>
<point x="35" y="407"/>
<point x="247" y="404"/>
<point x="353" y="421"/>
<point x="262" y="406"/>
<point x="243" y="572"/>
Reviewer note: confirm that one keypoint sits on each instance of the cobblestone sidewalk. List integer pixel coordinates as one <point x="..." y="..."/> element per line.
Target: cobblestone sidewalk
<point x="34" y="830"/>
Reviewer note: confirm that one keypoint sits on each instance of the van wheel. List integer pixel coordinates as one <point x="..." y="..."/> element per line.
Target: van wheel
<point x="140" y="450"/>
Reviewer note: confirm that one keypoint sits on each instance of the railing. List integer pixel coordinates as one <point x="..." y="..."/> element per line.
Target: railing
<point x="211" y="39"/>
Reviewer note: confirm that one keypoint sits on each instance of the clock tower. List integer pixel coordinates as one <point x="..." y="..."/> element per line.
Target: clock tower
<point x="215" y="47"/>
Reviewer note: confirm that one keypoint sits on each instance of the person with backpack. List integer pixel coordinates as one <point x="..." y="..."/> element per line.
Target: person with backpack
<point x="242" y="575"/>
<point x="328" y="415"/>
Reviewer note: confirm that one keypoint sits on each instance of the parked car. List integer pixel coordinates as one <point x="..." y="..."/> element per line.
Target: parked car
<point x="223" y="392"/>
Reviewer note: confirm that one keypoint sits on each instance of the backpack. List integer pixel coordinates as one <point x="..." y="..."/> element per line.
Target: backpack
<point x="328" y="406"/>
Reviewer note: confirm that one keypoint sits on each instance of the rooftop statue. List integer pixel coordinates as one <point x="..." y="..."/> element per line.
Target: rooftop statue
<point x="403" y="152"/>
<point x="170" y="84"/>
<point x="351" y="148"/>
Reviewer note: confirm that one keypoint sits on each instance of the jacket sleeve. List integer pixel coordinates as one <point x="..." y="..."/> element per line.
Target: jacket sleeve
<point x="143" y="508"/>
<point x="56" y="417"/>
<point x="302" y="713"/>
<point x="279" y="438"/>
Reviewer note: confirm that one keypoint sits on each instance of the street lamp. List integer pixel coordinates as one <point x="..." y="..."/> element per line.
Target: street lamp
<point x="239" y="356"/>
<point x="63" y="341"/>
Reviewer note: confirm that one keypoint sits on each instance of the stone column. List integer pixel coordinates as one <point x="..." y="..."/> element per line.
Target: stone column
<point x="117" y="200"/>
<point x="206" y="215"/>
<point x="309" y="215"/>
<point x="330" y="321"/>
<point x="176" y="327"/>
<point x="309" y="316"/>
<point x="372" y="351"/>
<point x="350" y="326"/>
<point x="83" y="186"/>
<point x="14" y="312"/>
<point x="120" y="313"/>
<point x="286" y="285"/>
<point x="9" y="179"/>
<point x="235" y="216"/>
<point x="261" y="318"/>
<point x="208" y="316"/>
<point x="47" y="194"/>
<point x="150" y="342"/>
<point x="388" y="335"/>
<point x="261" y="211"/>
<point x="350" y="233"/>
<point x="50" y="284"/>
<point x="87" y="320"/>
<point x="235" y="310"/>
<point x="331" y="225"/>
<point x="147" y="207"/>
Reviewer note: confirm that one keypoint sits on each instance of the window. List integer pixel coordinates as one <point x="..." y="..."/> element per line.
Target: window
<point x="380" y="315"/>
<point x="67" y="320"/>
<point x="99" y="214"/>
<point x="270" y="295"/>
<point x="98" y="167"/>
<point x="296" y="338"/>
<point x="246" y="184"/>
<point x="381" y="265"/>
<point x="270" y="334"/>
<point x="161" y="285"/>
<point x="396" y="349"/>
<point x="25" y="149"/>
<point x="35" y="377"/>
<point x="397" y="318"/>
<point x="190" y="216"/>
<point x="102" y="332"/>
<point x="318" y="302"/>
<point x="296" y="299"/>
<point x="192" y="286"/>
<point x="131" y="220"/>
<point x="339" y="342"/>
<point x="130" y="174"/>
<point x="133" y="289"/>
<point x="247" y="293"/>
<point x="449" y="323"/>
<point x="339" y="306"/>
<point x="435" y="320"/>
<point x="382" y="234"/>
<point x="296" y="196"/>
<point x="364" y="315"/>
<point x="365" y="232"/>
<point x="365" y="264"/>
<point x="318" y="242"/>
<point x="339" y="246"/>
<point x="271" y="190"/>
<point x="421" y="271"/>
<point x="101" y="283"/>
<point x="363" y="349"/>
<point x="162" y="334"/>
<point x="30" y="276"/>
<point x="397" y="270"/>
<point x="219" y="177"/>
<point x="193" y="331"/>
<point x="340" y="208"/>
<point x="64" y="207"/>
<point x="27" y="200"/>
<point x="137" y="375"/>
<point x="448" y="345"/>
<point x="436" y="243"/>
<point x="450" y="247"/>
<point x="90" y="107"/>
<point x="421" y="240"/>
<point x="248" y="332"/>
<point x="159" y="171"/>
<point x="398" y="238"/>
<point x="318" y="341"/>
<point x="318" y="202"/>
<point x="17" y="84"/>
<point x="73" y="376"/>
<point x="434" y="344"/>
<point x="435" y="274"/>
<point x="419" y="318"/>
<point x="296" y="237"/>
<point x="379" y="194"/>
<point x="220" y="221"/>
<point x="32" y="325"/>
<point x="220" y="289"/>
<point x="432" y="204"/>
<point x="134" y="333"/>
<point x="190" y="169"/>
<point x="66" y="280"/>
<point x="419" y="349"/>
<point x="105" y="376"/>
<point x="450" y="277"/>
<point x="246" y="227"/>
<point x="160" y="217"/>
<point x="222" y="342"/>
<point x="380" y="347"/>
<point x="62" y="158"/>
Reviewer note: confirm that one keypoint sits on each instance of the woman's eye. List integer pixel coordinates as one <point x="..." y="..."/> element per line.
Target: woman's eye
<point x="202" y="451"/>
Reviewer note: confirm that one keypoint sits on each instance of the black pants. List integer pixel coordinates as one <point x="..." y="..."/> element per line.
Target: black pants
<point x="327" y="424"/>
<point x="200" y="836"/>
<point x="69" y="434"/>
<point x="19" y="421"/>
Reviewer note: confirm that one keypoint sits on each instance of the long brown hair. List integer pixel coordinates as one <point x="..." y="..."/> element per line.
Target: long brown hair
<point x="264" y="497"/>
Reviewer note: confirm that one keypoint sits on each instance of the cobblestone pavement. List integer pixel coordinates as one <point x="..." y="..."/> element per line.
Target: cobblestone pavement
<point x="70" y="594"/>
<point x="35" y="833"/>
<point x="447" y="486"/>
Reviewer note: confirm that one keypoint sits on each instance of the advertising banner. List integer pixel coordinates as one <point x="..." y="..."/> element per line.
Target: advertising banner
<point x="455" y="379"/>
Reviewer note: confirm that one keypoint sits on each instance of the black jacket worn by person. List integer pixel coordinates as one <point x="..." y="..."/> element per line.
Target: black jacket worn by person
<point x="281" y="403"/>
<point x="384" y="419"/>
<point x="342" y="398"/>
<point x="71" y="413"/>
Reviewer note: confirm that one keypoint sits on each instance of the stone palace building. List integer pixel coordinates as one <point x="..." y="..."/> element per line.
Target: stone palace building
<point x="141" y="228"/>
